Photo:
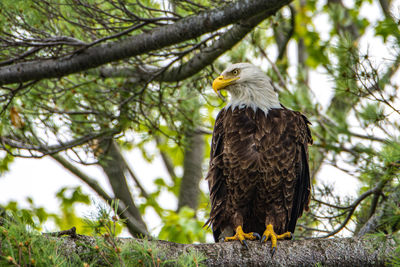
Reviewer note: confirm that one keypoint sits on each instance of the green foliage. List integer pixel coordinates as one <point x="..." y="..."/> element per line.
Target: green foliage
<point x="5" y="160"/>
<point x="182" y="227"/>
<point x="379" y="238"/>
<point x="23" y="246"/>
<point x="69" y="197"/>
<point x="386" y="28"/>
<point x="144" y="253"/>
<point x="134" y="252"/>
<point x="346" y="90"/>
<point x="105" y="221"/>
<point x="34" y="216"/>
<point x="372" y="113"/>
<point x="305" y="29"/>
<point x="37" y="216"/>
<point x="395" y="261"/>
<point x="299" y="100"/>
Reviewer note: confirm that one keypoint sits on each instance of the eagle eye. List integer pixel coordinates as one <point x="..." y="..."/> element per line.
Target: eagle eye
<point x="235" y="72"/>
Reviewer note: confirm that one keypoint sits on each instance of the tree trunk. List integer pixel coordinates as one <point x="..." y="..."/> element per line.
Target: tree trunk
<point x="114" y="166"/>
<point x="192" y="171"/>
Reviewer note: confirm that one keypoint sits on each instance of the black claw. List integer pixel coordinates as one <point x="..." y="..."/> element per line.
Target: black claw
<point x="257" y="236"/>
<point x="273" y="252"/>
<point x="263" y="238"/>
<point x="245" y="244"/>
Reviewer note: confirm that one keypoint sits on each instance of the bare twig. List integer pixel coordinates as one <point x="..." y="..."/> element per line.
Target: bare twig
<point x="353" y="207"/>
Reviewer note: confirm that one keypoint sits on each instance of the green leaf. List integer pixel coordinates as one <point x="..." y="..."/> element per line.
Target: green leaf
<point x="372" y="113"/>
<point x="386" y="28"/>
<point x="182" y="227"/>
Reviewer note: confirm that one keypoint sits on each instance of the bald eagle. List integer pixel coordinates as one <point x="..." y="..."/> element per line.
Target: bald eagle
<point x="258" y="174"/>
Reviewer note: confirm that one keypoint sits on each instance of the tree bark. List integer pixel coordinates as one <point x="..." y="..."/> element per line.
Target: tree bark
<point x="302" y="68"/>
<point x="283" y="32"/>
<point x="192" y="171"/>
<point x="325" y="252"/>
<point x="114" y="166"/>
<point x="198" y="62"/>
<point x="183" y="30"/>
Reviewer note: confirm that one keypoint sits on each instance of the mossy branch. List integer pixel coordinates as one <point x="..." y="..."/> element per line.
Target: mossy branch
<point x="328" y="252"/>
<point x="20" y="246"/>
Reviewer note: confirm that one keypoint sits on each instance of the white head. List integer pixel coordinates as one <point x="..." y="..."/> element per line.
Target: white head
<point x="248" y="86"/>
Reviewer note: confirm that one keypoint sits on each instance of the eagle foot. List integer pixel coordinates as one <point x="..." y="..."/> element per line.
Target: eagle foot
<point x="270" y="234"/>
<point x="242" y="236"/>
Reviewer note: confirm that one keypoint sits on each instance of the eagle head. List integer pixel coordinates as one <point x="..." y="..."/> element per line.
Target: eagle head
<point x="248" y="86"/>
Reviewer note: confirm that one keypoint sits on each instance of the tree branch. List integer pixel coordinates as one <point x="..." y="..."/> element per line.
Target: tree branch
<point x="384" y="218"/>
<point x="44" y="149"/>
<point x="283" y="32"/>
<point x="131" y="222"/>
<point x="352" y="209"/>
<point x="184" y="29"/>
<point x="195" y="64"/>
<point x="312" y="252"/>
<point x="114" y="166"/>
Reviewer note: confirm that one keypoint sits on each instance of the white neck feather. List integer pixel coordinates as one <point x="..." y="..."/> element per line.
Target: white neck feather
<point x="258" y="93"/>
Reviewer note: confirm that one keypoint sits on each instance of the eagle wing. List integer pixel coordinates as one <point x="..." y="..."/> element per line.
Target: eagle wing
<point x="216" y="178"/>
<point x="284" y="137"/>
<point x="302" y="193"/>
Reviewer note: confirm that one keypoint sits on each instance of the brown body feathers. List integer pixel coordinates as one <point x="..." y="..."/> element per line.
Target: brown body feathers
<point x="258" y="171"/>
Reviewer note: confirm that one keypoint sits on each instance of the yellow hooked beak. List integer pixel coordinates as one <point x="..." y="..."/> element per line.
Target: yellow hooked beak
<point x="220" y="82"/>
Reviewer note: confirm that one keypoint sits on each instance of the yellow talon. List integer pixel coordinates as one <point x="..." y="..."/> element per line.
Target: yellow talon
<point x="269" y="233"/>
<point x="240" y="235"/>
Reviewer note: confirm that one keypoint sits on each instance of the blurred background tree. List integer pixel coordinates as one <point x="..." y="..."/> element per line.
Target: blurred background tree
<point x="81" y="81"/>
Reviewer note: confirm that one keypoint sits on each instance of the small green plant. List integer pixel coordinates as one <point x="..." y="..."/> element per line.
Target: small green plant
<point x="106" y="225"/>
<point x="144" y="253"/>
<point x="134" y="252"/>
<point x="379" y="238"/>
<point x="37" y="216"/>
<point x="21" y="245"/>
<point x="105" y="221"/>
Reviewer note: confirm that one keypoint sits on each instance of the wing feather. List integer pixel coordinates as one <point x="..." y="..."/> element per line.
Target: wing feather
<point x="216" y="177"/>
<point x="302" y="191"/>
